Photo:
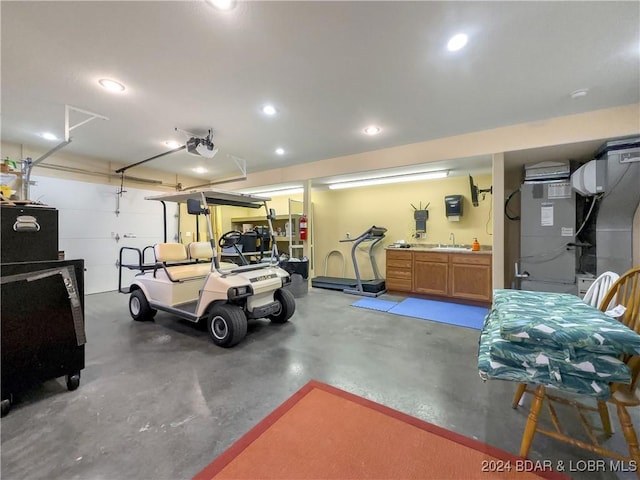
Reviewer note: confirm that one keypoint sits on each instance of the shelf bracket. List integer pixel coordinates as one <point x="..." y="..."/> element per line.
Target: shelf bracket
<point x="29" y="164"/>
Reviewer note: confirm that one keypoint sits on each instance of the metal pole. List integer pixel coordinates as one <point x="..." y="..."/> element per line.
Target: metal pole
<point x="123" y="169"/>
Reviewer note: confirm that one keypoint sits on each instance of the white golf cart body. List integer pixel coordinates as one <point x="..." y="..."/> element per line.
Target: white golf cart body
<point x="190" y="282"/>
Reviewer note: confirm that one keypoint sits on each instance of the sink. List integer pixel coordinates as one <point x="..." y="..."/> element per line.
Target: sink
<point x="451" y="249"/>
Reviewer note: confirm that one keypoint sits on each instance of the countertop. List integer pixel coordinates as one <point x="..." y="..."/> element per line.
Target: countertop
<point x="425" y="247"/>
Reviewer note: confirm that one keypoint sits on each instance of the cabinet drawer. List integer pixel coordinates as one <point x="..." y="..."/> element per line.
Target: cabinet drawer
<point x="398" y="255"/>
<point x="400" y="273"/>
<point x="398" y="285"/>
<point x="471" y="258"/>
<point x="431" y="257"/>
<point x="399" y="263"/>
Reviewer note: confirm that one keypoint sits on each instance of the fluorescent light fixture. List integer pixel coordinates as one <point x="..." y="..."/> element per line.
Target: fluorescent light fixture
<point x="172" y="144"/>
<point x="111" y="85"/>
<point x="199" y="170"/>
<point x="372" y="130"/>
<point x="269" y="110"/>
<point x="275" y="193"/>
<point x="457" y="42"/>
<point x="280" y="151"/>
<point x="391" y="179"/>
<point x="222" y="4"/>
<point x="49" y="136"/>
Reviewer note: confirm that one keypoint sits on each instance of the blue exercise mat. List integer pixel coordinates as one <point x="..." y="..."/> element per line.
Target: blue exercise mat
<point x="375" y="304"/>
<point x="443" y="312"/>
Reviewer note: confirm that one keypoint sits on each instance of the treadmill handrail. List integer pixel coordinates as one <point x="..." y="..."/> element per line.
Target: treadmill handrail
<point x="369" y="235"/>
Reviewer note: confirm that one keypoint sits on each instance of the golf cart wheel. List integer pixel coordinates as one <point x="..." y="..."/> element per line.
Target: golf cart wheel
<point x="139" y="307"/>
<point x="73" y="381"/>
<point x="227" y="325"/>
<point x="287" y="306"/>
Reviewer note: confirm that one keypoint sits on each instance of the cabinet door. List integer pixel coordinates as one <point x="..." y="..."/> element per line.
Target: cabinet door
<point x="471" y="280"/>
<point x="430" y="277"/>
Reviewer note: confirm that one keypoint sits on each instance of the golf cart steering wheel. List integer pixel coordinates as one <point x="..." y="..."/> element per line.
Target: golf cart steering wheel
<point x="229" y="239"/>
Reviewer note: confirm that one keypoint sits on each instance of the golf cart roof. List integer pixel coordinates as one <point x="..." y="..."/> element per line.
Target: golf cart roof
<point x="214" y="197"/>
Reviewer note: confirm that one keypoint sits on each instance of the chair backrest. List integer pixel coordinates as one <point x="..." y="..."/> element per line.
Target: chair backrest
<point x="170" y="252"/>
<point x="200" y="251"/>
<point x="626" y="292"/>
<point x="599" y="288"/>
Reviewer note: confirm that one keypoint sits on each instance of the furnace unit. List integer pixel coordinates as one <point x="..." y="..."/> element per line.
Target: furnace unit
<point x="547" y="230"/>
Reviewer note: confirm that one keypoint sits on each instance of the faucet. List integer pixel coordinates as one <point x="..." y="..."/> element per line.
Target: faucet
<point x="452" y="239"/>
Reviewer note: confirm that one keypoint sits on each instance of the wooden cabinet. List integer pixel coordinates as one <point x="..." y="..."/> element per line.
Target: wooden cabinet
<point x="470" y="276"/>
<point x="399" y="271"/>
<point x="431" y="273"/>
<point x="462" y="276"/>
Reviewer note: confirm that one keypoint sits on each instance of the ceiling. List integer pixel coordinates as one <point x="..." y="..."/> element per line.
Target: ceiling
<point x="330" y="69"/>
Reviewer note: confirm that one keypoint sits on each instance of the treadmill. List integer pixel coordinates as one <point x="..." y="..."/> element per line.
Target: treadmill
<point x="357" y="286"/>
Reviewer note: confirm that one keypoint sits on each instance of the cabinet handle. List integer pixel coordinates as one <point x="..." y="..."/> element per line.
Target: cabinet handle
<point x="26" y="223"/>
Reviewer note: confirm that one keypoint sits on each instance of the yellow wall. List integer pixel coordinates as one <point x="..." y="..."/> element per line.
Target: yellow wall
<point x="354" y="210"/>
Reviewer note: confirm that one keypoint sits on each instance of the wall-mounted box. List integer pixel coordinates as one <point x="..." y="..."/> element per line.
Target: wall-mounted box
<point x="453" y="207"/>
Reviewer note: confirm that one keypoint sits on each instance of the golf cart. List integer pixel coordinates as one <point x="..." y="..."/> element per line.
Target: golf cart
<point x="190" y="281"/>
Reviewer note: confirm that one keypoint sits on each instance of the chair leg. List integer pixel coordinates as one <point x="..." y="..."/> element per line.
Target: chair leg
<point x="518" y="395"/>
<point x="629" y="433"/>
<point x="604" y="418"/>
<point x="532" y="421"/>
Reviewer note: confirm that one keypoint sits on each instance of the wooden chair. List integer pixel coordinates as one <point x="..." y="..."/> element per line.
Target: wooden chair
<point x="626" y="291"/>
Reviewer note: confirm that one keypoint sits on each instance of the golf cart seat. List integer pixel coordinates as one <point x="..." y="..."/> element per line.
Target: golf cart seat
<point x="202" y="251"/>
<point x="167" y="253"/>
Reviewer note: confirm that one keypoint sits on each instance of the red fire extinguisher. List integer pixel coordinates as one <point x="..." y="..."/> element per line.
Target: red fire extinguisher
<point x="303" y="227"/>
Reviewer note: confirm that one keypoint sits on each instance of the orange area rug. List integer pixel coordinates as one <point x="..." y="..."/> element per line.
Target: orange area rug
<point x="322" y="432"/>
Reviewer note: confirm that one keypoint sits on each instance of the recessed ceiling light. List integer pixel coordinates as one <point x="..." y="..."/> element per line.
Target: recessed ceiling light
<point x="372" y="130"/>
<point x="49" y="136"/>
<point x="457" y="42"/>
<point x="269" y="110"/>
<point x="199" y="170"/>
<point x="579" y="93"/>
<point x="172" y="144"/>
<point x="111" y="85"/>
<point x="280" y="151"/>
<point x="222" y="4"/>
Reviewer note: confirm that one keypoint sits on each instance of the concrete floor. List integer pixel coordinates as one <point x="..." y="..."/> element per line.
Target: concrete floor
<point x="158" y="400"/>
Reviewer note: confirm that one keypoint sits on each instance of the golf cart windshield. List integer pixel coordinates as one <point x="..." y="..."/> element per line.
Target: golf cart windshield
<point x="221" y="197"/>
